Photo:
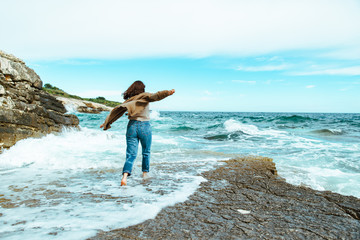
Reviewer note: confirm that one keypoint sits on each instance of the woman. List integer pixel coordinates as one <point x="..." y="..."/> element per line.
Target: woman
<point x="138" y="129"/>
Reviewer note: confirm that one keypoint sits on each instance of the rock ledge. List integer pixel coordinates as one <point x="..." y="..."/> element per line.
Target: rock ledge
<point x="245" y="199"/>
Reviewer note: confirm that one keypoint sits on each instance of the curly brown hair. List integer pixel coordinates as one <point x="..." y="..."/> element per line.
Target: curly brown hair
<point x="136" y="88"/>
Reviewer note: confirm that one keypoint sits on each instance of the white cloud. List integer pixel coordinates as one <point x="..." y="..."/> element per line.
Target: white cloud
<point x="208" y="93"/>
<point x="262" y="68"/>
<point x="348" y="71"/>
<point x="78" y="62"/>
<point x="350" y="52"/>
<point x="42" y="29"/>
<point x="244" y="81"/>
<point x="310" y="86"/>
<point x="275" y="58"/>
<point x="273" y="81"/>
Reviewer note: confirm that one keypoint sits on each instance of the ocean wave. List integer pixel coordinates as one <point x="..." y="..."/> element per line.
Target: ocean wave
<point x="75" y="175"/>
<point x="329" y="132"/>
<point x="294" y="119"/>
<point x="236" y="130"/>
<point x="257" y="119"/>
<point x="214" y="126"/>
<point x="182" y="128"/>
<point x="355" y="124"/>
<point x="70" y="149"/>
<point x="225" y="137"/>
<point x="284" y="126"/>
<point x="234" y="126"/>
<point x="155" y="115"/>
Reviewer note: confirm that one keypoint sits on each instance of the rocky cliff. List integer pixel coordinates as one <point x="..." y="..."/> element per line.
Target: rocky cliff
<point x="25" y="109"/>
<point x="246" y="199"/>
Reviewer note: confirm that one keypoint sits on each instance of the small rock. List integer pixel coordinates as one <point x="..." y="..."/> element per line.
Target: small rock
<point x="242" y="211"/>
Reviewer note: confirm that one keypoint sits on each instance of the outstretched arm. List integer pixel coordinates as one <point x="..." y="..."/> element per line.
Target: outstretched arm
<point x="114" y="115"/>
<point x="161" y="95"/>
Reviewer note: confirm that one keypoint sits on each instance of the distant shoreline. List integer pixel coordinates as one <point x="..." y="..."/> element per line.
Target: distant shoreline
<point x="55" y="91"/>
<point x="82" y="106"/>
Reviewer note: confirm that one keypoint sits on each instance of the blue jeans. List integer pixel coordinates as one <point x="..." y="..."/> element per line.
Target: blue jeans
<point x="137" y="130"/>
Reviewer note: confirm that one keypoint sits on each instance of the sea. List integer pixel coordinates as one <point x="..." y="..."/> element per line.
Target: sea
<point x="67" y="185"/>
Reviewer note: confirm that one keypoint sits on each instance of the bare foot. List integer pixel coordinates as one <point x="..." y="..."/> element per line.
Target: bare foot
<point x="124" y="179"/>
<point x="145" y="175"/>
<point x="123" y="182"/>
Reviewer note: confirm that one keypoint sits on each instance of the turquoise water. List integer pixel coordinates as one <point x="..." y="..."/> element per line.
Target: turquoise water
<point x="67" y="185"/>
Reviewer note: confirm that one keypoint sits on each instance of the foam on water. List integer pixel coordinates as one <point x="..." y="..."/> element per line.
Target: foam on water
<point x="165" y="140"/>
<point x="293" y="150"/>
<point x="155" y="115"/>
<point x="232" y="125"/>
<point x="70" y="108"/>
<point x="66" y="185"/>
<point x="323" y="178"/>
<point x="70" y="150"/>
<point x="80" y="218"/>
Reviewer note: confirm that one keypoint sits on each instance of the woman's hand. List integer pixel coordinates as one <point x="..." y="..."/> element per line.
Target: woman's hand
<point x="172" y="91"/>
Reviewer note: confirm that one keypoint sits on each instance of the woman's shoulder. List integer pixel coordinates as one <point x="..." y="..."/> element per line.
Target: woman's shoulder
<point x="143" y="95"/>
<point x="139" y="96"/>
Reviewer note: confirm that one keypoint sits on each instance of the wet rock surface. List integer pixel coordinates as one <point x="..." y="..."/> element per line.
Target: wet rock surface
<point x="246" y="199"/>
<point x="25" y="109"/>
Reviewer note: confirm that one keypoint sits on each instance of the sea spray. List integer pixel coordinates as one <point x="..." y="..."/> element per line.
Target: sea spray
<point x="67" y="185"/>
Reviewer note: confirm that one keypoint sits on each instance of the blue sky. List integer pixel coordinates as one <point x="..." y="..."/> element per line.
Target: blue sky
<point x="272" y="56"/>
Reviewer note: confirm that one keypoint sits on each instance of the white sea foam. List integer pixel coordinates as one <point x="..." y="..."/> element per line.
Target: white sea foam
<point x="68" y="183"/>
<point x="336" y="131"/>
<point x="72" y="149"/>
<point x="322" y="165"/>
<point x="81" y="219"/>
<point x="66" y="186"/>
<point x="232" y="125"/>
<point x="322" y="178"/>
<point x="155" y="115"/>
<point x="164" y="140"/>
<point x="70" y="108"/>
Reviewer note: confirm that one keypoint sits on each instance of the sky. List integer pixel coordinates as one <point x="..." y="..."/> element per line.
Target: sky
<point x="219" y="55"/>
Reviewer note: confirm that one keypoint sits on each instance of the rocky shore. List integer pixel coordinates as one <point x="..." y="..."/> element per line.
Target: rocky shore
<point x="25" y="109"/>
<point x="82" y="105"/>
<point x="246" y="199"/>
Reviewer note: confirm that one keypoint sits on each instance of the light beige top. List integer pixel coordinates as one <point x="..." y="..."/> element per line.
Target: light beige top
<point x="136" y="106"/>
<point x="144" y="115"/>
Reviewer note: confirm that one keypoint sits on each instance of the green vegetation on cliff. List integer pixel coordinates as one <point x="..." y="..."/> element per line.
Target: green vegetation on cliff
<point x="57" y="91"/>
